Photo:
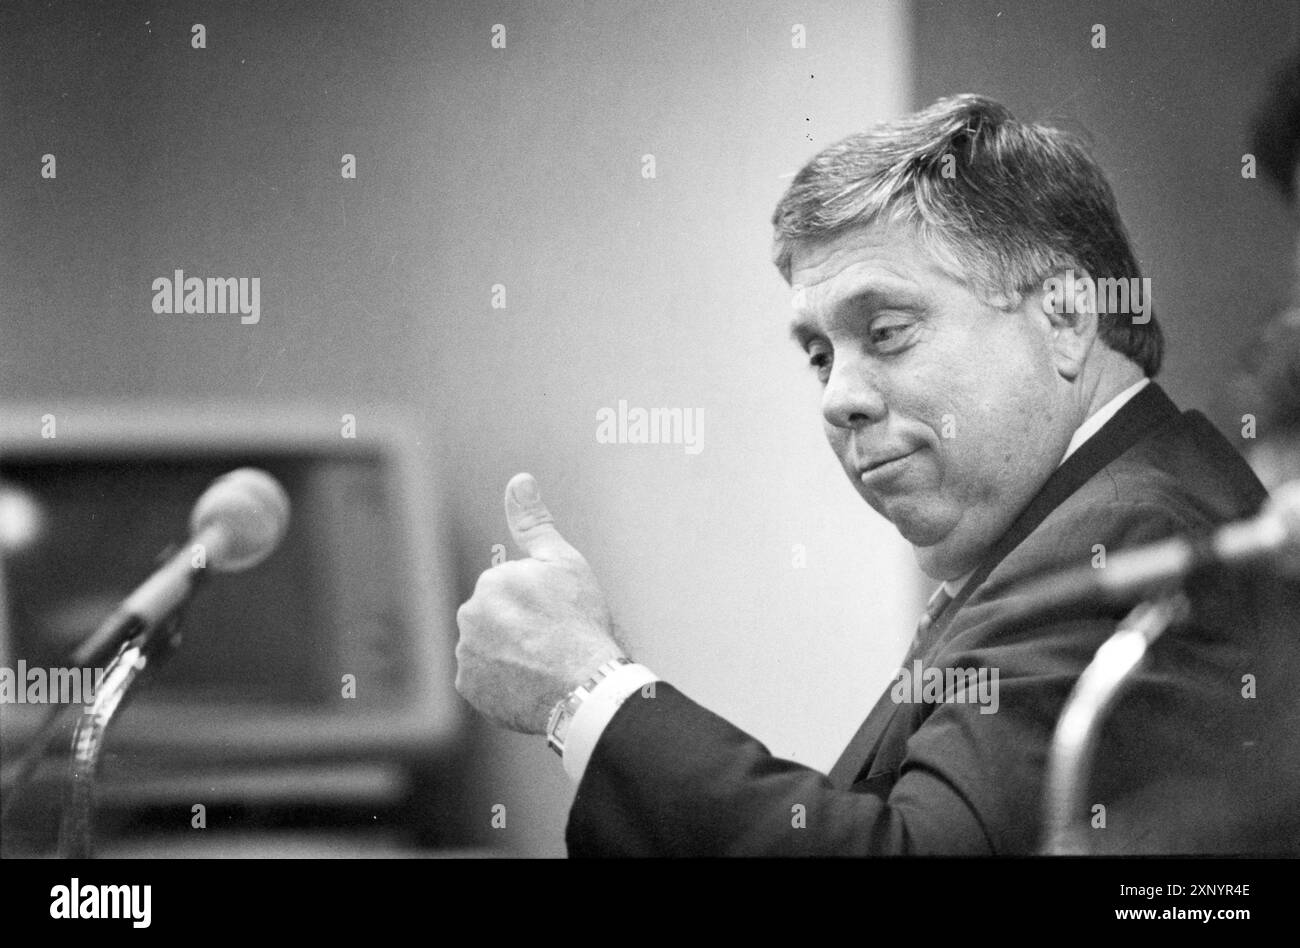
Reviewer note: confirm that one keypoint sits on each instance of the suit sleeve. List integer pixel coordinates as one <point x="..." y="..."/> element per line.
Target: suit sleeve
<point x="670" y="778"/>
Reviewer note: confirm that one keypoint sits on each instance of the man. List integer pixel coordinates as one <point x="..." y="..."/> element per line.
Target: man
<point x="1006" y="424"/>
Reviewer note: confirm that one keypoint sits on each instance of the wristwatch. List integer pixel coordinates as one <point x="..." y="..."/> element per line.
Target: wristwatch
<point x="557" y="728"/>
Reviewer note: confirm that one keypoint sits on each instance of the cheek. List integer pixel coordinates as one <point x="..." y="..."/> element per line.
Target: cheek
<point x="837" y="438"/>
<point x="986" y="411"/>
<point x="1005" y="445"/>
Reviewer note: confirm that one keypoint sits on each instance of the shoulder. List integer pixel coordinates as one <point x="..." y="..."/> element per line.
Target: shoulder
<point x="1184" y="479"/>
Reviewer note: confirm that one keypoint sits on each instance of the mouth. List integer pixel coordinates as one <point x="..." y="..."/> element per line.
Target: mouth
<point x="879" y="470"/>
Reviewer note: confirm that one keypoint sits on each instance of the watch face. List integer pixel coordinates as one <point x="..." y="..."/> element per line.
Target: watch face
<point x="553" y="725"/>
<point x="558" y="733"/>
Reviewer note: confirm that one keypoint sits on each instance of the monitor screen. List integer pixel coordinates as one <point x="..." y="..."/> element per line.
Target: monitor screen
<point x="340" y="642"/>
<point x="282" y="633"/>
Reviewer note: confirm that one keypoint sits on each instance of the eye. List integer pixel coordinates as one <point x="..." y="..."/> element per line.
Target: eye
<point x="888" y="335"/>
<point x="819" y="359"/>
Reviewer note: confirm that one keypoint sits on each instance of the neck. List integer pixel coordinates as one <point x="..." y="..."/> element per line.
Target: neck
<point x="1101" y="380"/>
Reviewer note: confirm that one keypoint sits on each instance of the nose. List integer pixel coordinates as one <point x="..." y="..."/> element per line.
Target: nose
<point x="852" y="398"/>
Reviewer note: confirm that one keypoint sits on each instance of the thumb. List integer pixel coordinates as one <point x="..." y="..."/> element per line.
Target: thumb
<point x="531" y="524"/>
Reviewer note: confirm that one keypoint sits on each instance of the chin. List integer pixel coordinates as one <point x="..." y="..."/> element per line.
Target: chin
<point x="954" y="555"/>
<point x="935" y="564"/>
<point x="933" y="544"/>
<point x="919" y="527"/>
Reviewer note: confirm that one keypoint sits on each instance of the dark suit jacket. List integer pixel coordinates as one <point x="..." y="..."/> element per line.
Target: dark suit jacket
<point x="668" y="777"/>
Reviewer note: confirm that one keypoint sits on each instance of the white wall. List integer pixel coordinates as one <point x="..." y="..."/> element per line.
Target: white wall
<point x="660" y="292"/>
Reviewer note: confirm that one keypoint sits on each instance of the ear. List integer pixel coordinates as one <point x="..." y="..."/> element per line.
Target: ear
<point x="1068" y="305"/>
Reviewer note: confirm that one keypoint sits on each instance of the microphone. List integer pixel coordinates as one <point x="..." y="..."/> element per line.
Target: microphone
<point x="236" y="524"/>
<point x="1271" y="536"/>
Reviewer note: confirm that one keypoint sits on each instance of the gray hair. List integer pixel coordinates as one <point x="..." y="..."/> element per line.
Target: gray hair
<point x="1008" y="202"/>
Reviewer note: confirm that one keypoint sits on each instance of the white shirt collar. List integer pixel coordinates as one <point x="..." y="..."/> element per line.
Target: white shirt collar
<point x="1090" y="427"/>
<point x="1102" y="415"/>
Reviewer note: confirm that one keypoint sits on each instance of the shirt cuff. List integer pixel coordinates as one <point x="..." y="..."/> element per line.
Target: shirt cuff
<point x="595" y="713"/>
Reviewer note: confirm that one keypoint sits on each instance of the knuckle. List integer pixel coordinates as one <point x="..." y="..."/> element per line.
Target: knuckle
<point x="532" y="520"/>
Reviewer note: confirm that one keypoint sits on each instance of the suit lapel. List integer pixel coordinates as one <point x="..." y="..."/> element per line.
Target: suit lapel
<point x="1146" y="411"/>
<point x="865" y="743"/>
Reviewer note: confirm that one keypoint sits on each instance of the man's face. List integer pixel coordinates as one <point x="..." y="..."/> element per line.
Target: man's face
<point x="946" y="413"/>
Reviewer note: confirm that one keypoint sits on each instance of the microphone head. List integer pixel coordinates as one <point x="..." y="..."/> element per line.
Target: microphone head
<point x="248" y="511"/>
<point x="1283" y="509"/>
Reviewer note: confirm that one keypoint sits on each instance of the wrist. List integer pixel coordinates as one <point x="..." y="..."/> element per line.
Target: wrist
<point x="564" y="711"/>
<point x="598" y="710"/>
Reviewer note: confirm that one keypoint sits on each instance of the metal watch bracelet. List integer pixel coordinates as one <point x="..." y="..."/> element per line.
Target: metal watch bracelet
<point x="557" y="727"/>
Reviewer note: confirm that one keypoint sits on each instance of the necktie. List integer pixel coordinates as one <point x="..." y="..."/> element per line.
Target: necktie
<point x="938" y="602"/>
<point x="863" y="744"/>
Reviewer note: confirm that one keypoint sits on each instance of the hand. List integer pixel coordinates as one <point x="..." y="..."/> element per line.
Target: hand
<point x="535" y="628"/>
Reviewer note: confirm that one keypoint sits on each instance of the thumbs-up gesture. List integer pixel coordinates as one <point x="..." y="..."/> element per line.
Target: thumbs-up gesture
<point x="535" y="628"/>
